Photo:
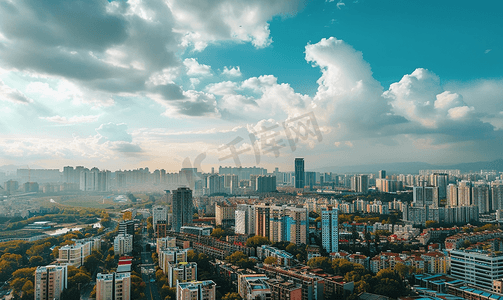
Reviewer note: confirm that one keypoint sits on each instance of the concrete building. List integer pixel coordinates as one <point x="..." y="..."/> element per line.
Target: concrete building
<point x="172" y="256"/>
<point x="245" y="219"/>
<point x="330" y="229"/>
<point x="265" y="184"/>
<point x="165" y="242"/>
<point x="181" y="272"/>
<point x="225" y="214"/>
<point x="299" y="173"/>
<point x="476" y="267"/>
<point x="199" y="290"/>
<point x="182" y="208"/>
<point x="123" y="244"/>
<point x="74" y="255"/>
<point x="253" y="286"/>
<point x="159" y="213"/>
<point x="115" y="286"/>
<point x="50" y="281"/>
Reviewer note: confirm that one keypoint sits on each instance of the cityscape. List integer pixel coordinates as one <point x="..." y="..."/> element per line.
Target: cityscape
<point x="251" y="150"/>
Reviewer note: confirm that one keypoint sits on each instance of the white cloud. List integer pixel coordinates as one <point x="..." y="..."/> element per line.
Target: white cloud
<point x="204" y="22"/>
<point x="232" y="71"/>
<point x="12" y="95"/>
<point x="460" y="112"/>
<point x="71" y="120"/>
<point x="196" y="69"/>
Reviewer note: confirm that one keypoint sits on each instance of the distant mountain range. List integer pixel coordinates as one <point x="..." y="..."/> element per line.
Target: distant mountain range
<point x="414" y="167"/>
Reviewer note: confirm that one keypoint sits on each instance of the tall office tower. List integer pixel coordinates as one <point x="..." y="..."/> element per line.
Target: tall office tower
<point x="50" y="281"/>
<point x="245" y="219"/>
<point x="115" y="286"/>
<point x="360" y="183"/>
<point x="299" y="173"/>
<point x="199" y="290"/>
<point x="123" y="244"/>
<point x="296" y="228"/>
<point x="159" y="214"/>
<point x="480" y="196"/>
<point x="182" y="208"/>
<point x="181" y="272"/>
<point x="310" y="179"/>
<point x="441" y="180"/>
<point x="330" y="229"/>
<point x="216" y="184"/>
<point x="265" y="184"/>
<point x="424" y="196"/>
<point x="262" y="222"/>
<point x="381" y="174"/>
<point x="452" y="195"/>
<point x="465" y="193"/>
<point x="225" y="214"/>
<point x="497" y="194"/>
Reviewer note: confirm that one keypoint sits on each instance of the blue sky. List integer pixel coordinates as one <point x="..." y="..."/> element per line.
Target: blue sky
<point x="132" y="84"/>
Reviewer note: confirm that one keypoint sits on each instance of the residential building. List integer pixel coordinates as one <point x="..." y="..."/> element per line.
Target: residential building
<point x="75" y="254"/>
<point x="115" y="286"/>
<point x="165" y="242"/>
<point x="282" y="257"/>
<point x="265" y="184"/>
<point x="253" y="286"/>
<point x="181" y="272"/>
<point x="172" y="256"/>
<point x="50" y="281"/>
<point x="123" y="244"/>
<point x="284" y="290"/>
<point x="225" y="214"/>
<point x="159" y="214"/>
<point x="330" y="229"/>
<point x="199" y="290"/>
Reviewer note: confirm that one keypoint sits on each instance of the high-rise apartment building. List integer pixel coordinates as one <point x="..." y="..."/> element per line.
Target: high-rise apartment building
<point x="123" y="244"/>
<point x="296" y="227"/>
<point x="159" y="213"/>
<point x="182" y="208"/>
<point x="452" y="195"/>
<point x="171" y="256"/>
<point x="245" y="219"/>
<point x="225" y="214"/>
<point x="381" y="174"/>
<point x="360" y="183"/>
<point x="115" y="286"/>
<point x="265" y="184"/>
<point x="330" y="229"/>
<point x="74" y="255"/>
<point x="465" y="193"/>
<point x="299" y="173"/>
<point x="181" y="272"/>
<point x="497" y="194"/>
<point x="441" y="180"/>
<point x="50" y="281"/>
<point x="216" y="184"/>
<point x="480" y="196"/>
<point x="199" y="290"/>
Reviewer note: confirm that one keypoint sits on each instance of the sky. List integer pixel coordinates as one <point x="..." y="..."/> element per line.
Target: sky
<point x="192" y="83"/>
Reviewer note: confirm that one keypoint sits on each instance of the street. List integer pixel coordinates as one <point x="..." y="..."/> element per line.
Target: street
<point x="148" y="273"/>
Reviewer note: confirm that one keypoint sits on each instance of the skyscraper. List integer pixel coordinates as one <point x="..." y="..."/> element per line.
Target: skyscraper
<point x="159" y="214"/>
<point x="182" y="208"/>
<point x="50" y="281"/>
<point x="330" y="229"/>
<point x="299" y="173"/>
<point x="382" y="174"/>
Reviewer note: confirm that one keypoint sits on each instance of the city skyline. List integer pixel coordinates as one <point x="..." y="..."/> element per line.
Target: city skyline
<point x="373" y="82"/>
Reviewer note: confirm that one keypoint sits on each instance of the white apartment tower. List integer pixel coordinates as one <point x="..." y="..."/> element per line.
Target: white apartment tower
<point x="330" y="229"/>
<point x="50" y="281"/>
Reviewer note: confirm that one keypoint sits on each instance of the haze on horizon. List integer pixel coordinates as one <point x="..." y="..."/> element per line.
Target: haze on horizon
<point x="133" y="84"/>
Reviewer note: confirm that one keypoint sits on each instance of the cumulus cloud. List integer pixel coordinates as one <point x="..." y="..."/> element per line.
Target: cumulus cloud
<point x="203" y="22"/>
<point x="232" y="71"/>
<point x="196" y="69"/>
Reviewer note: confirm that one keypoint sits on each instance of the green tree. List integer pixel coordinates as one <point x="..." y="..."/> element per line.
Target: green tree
<point x="218" y="233"/>
<point x="231" y="296"/>
<point x="270" y="260"/>
<point x="257" y="241"/>
<point x="321" y="262"/>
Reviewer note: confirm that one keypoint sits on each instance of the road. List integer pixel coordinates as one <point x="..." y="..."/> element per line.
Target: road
<point x="148" y="272"/>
